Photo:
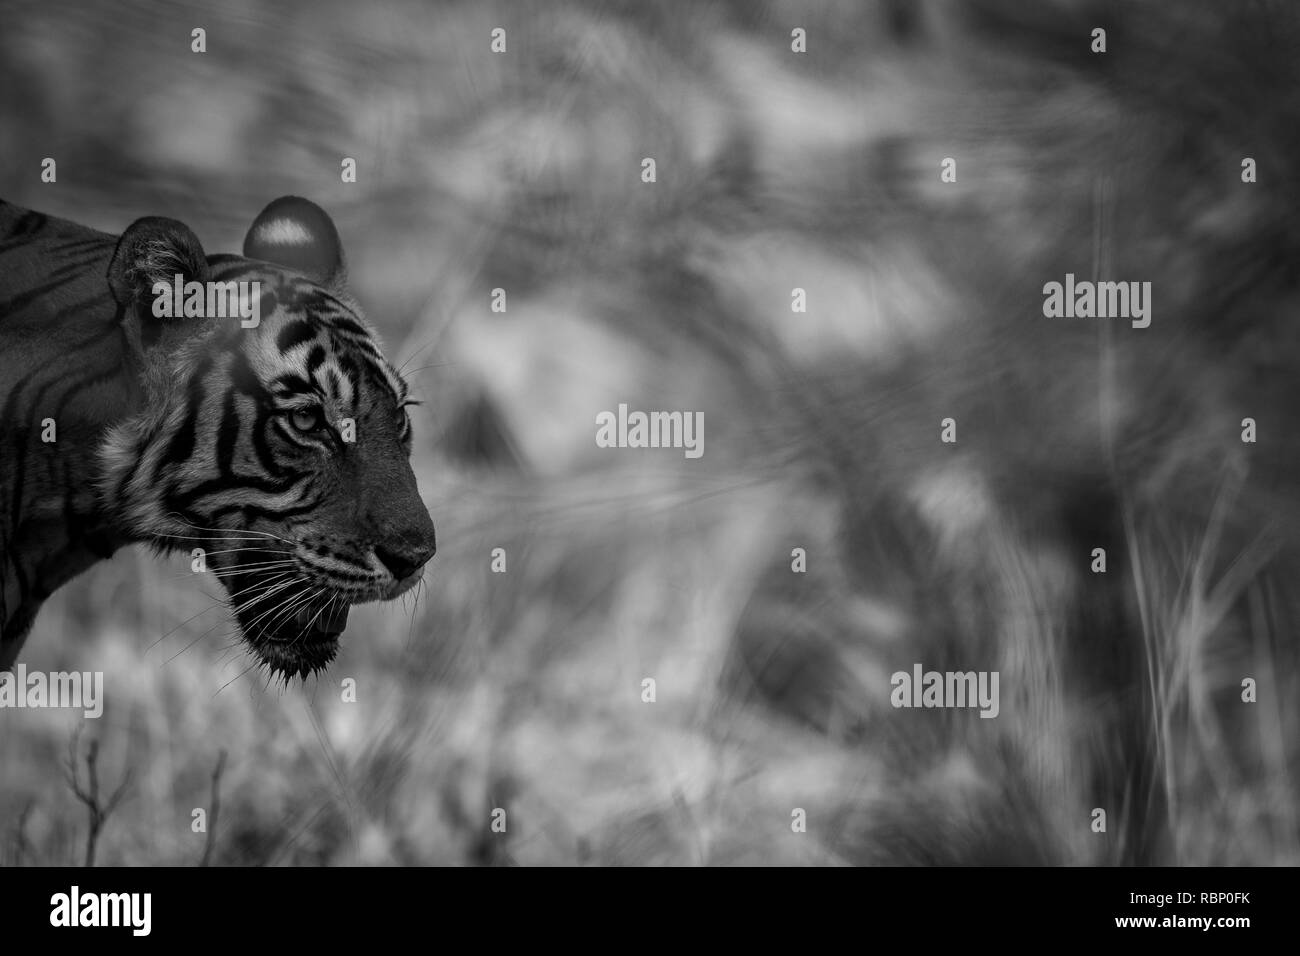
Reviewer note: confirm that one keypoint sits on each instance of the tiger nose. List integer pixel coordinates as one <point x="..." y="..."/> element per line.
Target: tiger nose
<point x="403" y="562"/>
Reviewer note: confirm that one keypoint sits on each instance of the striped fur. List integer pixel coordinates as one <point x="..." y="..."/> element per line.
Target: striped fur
<point x="199" y="433"/>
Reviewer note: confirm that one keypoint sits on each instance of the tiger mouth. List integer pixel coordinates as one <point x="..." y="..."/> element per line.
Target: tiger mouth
<point x="300" y="639"/>
<point x="322" y="618"/>
<point x="300" y="659"/>
<point x="316" y="621"/>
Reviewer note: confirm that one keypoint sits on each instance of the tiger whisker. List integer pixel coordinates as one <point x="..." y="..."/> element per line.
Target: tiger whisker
<point x="243" y="569"/>
<point x="245" y="534"/>
<point x="317" y="592"/>
<point x="266" y="593"/>
<point x="261" y="583"/>
<point x="415" y="607"/>
<point x="238" y="569"/>
<point x="222" y="536"/>
<point x="287" y="611"/>
<point x="202" y="635"/>
<point x="235" y="678"/>
<point x="261" y="595"/>
<point x="198" y="527"/>
<point x="217" y="603"/>
<point x="247" y="551"/>
<point x="280" y="610"/>
<point x="323" y="608"/>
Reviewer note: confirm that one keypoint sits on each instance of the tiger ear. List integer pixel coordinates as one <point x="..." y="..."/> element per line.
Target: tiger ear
<point x="154" y="249"/>
<point x="298" y="234"/>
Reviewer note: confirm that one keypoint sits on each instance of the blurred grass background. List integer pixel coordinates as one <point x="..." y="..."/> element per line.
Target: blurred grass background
<point x="775" y="170"/>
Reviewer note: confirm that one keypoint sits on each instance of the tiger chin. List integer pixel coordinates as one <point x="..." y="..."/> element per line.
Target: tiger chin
<point x="268" y="437"/>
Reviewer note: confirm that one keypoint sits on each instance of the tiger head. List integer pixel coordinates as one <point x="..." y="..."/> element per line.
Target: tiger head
<point x="272" y="439"/>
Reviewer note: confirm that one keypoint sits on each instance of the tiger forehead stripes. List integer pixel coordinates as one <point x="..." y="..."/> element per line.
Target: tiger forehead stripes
<point x="281" y="449"/>
<point x="311" y="351"/>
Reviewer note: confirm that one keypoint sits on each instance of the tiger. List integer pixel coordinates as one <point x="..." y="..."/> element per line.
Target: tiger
<point x="277" y="452"/>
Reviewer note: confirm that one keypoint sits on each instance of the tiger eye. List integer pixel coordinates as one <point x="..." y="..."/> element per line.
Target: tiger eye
<point x="305" y="419"/>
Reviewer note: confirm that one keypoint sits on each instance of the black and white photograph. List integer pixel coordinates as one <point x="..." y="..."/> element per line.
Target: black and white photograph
<point x="650" y="433"/>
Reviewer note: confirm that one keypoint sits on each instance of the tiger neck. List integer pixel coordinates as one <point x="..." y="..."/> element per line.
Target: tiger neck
<point x="54" y="523"/>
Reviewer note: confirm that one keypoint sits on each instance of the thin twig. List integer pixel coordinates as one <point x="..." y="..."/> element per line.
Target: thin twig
<point x="211" y="843"/>
<point x="97" y="812"/>
<point x="21" y="843"/>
